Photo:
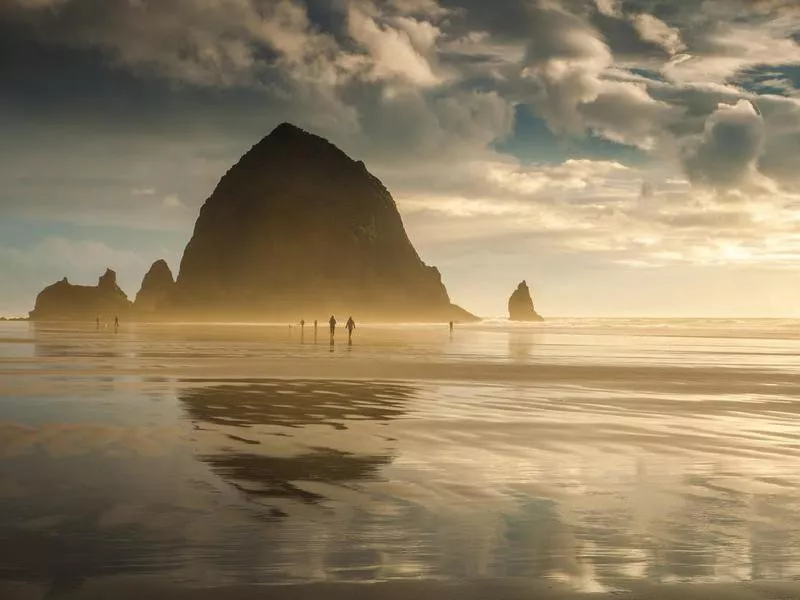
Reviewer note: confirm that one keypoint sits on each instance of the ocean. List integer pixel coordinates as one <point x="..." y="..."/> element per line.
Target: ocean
<point x="573" y="456"/>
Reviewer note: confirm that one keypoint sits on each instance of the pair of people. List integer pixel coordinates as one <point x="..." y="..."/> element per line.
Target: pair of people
<point x="116" y="322"/>
<point x="351" y="324"/>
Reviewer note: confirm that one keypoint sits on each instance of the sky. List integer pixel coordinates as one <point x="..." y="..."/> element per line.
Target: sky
<point x="625" y="157"/>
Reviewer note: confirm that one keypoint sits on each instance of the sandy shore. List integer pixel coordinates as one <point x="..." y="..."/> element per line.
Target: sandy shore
<point x="172" y="462"/>
<point x="137" y="589"/>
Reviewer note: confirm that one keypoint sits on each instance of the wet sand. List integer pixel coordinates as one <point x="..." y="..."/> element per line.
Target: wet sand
<point x="125" y="589"/>
<point x="623" y="459"/>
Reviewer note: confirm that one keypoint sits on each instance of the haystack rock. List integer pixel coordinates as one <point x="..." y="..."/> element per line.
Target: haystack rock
<point x="297" y="229"/>
<point x="520" y="305"/>
<point x="65" y="301"/>
<point x="157" y="286"/>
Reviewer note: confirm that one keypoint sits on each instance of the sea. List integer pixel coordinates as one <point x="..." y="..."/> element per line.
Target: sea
<point x="582" y="455"/>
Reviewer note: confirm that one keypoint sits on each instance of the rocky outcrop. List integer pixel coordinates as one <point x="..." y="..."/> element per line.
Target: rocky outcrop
<point x="297" y="228"/>
<point x="65" y="301"/>
<point x="520" y="305"/>
<point x="157" y="287"/>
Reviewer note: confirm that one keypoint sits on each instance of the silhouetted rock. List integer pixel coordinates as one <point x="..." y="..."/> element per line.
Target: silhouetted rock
<point x="65" y="301"/>
<point x="297" y="228"/>
<point x="157" y="286"/>
<point x="520" y="305"/>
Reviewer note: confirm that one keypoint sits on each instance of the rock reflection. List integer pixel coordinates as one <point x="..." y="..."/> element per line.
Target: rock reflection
<point x="296" y="403"/>
<point x="265" y="471"/>
<point x="521" y="345"/>
<point x="273" y="476"/>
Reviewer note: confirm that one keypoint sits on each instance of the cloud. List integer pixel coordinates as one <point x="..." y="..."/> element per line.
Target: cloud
<point x="430" y="8"/>
<point x="609" y="8"/>
<point x="654" y="30"/>
<point x="626" y="113"/>
<point x="727" y="152"/>
<point x="173" y="201"/>
<point x="564" y="58"/>
<point x="395" y="52"/>
<point x="780" y="159"/>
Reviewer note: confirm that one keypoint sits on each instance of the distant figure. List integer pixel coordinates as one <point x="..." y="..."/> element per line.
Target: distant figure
<point x="332" y="323"/>
<point x="451" y="328"/>
<point x="350" y="326"/>
<point x="302" y="330"/>
<point x="315" y="331"/>
<point x="116" y="322"/>
<point x="97" y="322"/>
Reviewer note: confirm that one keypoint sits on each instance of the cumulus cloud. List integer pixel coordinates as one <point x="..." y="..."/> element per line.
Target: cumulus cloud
<point x="780" y="159"/>
<point x="395" y="52"/>
<point x="609" y="8"/>
<point x="565" y="58"/>
<point x="654" y="30"/>
<point x="625" y="112"/>
<point x="419" y="7"/>
<point x="727" y="152"/>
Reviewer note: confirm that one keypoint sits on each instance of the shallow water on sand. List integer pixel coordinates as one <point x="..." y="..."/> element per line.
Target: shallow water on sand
<point x="588" y="454"/>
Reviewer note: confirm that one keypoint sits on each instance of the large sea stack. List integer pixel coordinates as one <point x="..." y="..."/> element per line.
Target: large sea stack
<point x="297" y="229"/>
<point x="520" y="305"/>
<point x="65" y="301"/>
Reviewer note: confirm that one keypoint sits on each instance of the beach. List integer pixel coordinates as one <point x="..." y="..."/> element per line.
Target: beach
<point x="627" y="458"/>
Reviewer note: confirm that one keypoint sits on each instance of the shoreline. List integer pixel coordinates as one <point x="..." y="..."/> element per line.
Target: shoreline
<point x="131" y="588"/>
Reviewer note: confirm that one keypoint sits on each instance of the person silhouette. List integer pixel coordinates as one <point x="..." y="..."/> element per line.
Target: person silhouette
<point x="302" y="330"/>
<point x="350" y="326"/>
<point x="332" y="323"/>
<point x="116" y="322"/>
<point x="315" y="331"/>
<point x="97" y="322"/>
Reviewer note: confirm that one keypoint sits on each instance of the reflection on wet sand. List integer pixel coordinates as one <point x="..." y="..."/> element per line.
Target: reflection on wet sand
<point x="500" y="457"/>
<point x="272" y="476"/>
<point x="267" y="409"/>
<point x="295" y="403"/>
<point x="56" y="527"/>
<point x="521" y="345"/>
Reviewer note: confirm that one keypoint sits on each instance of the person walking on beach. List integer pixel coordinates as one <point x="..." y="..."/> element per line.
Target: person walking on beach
<point x="332" y="323"/>
<point x="302" y="330"/>
<point x="116" y="322"/>
<point x="315" y="331"/>
<point x="97" y="322"/>
<point x="451" y="328"/>
<point x="350" y="326"/>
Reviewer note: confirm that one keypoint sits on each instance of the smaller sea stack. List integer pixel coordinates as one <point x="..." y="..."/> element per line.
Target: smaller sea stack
<point x="64" y="301"/>
<point x="157" y="286"/>
<point x="520" y="305"/>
